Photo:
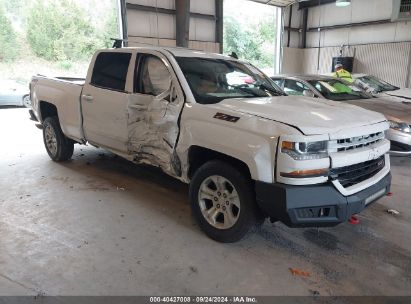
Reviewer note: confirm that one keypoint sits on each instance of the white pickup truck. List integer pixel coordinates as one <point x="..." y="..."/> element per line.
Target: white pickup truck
<point x="219" y="124"/>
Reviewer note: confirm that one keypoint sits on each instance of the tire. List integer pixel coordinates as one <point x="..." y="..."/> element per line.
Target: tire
<point x="213" y="189"/>
<point x="58" y="146"/>
<point x="27" y="101"/>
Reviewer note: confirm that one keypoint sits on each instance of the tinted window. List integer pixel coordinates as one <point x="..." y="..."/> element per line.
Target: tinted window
<point x="110" y="70"/>
<point x="154" y="77"/>
<point x="279" y="82"/>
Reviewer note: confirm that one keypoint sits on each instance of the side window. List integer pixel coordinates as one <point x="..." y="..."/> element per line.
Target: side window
<point x="154" y="77"/>
<point x="279" y="82"/>
<point x="110" y="70"/>
<point x="292" y="87"/>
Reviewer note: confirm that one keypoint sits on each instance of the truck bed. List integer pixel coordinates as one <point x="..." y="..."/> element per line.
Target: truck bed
<point x="64" y="93"/>
<point x="73" y="80"/>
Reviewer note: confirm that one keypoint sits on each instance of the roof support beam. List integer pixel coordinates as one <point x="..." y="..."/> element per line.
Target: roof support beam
<point x="219" y="28"/>
<point x="339" y="26"/>
<point x="160" y="10"/>
<point x="312" y="3"/>
<point x="124" y="26"/>
<point x="182" y="22"/>
<point x="289" y="25"/>
<point x="304" y="30"/>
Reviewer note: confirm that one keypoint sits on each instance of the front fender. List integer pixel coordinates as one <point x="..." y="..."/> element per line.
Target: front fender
<point x="251" y="140"/>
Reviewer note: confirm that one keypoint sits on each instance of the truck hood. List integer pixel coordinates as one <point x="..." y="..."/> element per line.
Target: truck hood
<point x="396" y="110"/>
<point x="311" y="116"/>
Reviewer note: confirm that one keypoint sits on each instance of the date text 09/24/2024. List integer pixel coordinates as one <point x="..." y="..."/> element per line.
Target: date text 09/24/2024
<point x="198" y="299"/>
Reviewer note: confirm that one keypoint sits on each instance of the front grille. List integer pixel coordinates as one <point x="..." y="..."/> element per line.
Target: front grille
<point x="352" y="175"/>
<point x="352" y="143"/>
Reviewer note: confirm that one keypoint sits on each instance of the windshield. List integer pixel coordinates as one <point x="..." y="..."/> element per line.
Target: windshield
<point x="212" y="80"/>
<point x="338" y="90"/>
<point x="377" y="85"/>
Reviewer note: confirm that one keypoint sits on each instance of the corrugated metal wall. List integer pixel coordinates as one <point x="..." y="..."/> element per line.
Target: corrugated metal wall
<point x="383" y="50"/>
<point x="160" y="29"/>
<point x="388" y="61"/>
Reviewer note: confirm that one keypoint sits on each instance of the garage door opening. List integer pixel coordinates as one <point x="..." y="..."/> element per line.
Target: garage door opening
<point x="250" y="30"/>
<point x="54" y="38"/>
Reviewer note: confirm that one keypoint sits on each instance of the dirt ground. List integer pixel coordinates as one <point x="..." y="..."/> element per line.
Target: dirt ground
<point x="98" y="225"/>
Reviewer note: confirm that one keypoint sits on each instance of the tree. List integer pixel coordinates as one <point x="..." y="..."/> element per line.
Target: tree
<point x="110" y="29"/>
<point x="7" y="38"/>
<point x="59" y="30"/>
<point x="250" y="42"/>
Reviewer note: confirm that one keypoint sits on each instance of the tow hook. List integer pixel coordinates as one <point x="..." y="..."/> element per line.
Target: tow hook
<point x="354" y="220"/>
<point x="389" y="194"/>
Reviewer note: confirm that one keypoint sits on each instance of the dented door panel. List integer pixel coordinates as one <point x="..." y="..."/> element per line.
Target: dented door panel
<point x="153" y="115"/>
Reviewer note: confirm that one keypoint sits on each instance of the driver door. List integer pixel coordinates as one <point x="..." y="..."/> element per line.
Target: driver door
<point x="153" y="113"/>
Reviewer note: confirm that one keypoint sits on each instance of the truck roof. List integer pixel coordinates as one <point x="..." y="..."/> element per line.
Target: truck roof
<point x="181" y="52"/>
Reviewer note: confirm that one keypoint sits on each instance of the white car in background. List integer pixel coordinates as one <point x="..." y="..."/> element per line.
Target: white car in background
<point x="381" y="88"/>
<point x="13" y="93"/>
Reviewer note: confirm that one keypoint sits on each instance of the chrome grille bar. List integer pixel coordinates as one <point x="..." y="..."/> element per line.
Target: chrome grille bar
<point x="345" y="144"/>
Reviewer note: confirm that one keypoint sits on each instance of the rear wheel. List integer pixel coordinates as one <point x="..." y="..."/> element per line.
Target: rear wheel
<point x="58" y="146"/>
<point x="223" y="201"/>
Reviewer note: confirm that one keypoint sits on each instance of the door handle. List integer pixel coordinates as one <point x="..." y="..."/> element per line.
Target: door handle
<point x="88" y="98"/>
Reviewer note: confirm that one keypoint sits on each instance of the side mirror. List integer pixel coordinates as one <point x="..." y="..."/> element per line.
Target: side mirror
<point x="308" y="93"/>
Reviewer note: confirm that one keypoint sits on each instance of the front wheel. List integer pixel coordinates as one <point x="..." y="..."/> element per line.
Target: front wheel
<point x="223" y="201"/>
<point x="58" y="146"/>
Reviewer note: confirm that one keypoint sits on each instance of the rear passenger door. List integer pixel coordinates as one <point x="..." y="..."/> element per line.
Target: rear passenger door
<point x="104" y="101"/>
<point x="154" y="112"/>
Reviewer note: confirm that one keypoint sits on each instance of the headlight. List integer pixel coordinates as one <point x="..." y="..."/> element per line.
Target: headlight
<point x="400" y="126"/>
<point x="305" y="150"/>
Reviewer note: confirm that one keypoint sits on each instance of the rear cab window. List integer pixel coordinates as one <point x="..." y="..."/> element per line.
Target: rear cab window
<point x="110" y="71"/>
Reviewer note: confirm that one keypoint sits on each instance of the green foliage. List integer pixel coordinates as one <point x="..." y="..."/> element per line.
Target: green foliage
<point x="110" y="29"/>
<point x="61" y="31"/>
<point x="249" y="43"/>
<point x="7" y="38"/>
<point x="15" y="7"/>
<point x="65" y="65"/>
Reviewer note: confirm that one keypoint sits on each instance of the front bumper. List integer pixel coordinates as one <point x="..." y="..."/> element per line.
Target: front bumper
<point x="400" y="142"/>
<point x="316" y="205"/>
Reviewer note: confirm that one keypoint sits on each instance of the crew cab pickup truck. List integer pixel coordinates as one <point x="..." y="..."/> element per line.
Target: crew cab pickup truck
<point x="248" y="151"/>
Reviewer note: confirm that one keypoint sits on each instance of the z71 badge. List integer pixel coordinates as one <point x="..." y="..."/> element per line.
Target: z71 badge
<point x="226" y="117"/>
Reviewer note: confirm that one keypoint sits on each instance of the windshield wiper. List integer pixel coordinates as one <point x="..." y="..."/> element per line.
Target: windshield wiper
<point x="272" y="90"/>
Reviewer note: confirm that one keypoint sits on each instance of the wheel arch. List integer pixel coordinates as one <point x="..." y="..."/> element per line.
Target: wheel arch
<point x="47" y="109"/>
<point x="198" y="156"/>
